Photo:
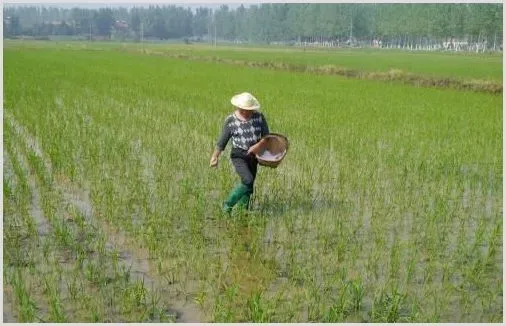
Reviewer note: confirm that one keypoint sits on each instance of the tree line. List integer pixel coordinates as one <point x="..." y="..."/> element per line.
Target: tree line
<point x="267" y="23"/>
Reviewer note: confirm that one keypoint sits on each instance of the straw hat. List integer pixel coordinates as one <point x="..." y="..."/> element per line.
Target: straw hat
<point x="245" y="101"/>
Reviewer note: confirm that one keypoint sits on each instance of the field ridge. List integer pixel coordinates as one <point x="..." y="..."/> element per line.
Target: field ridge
<point x="477" y="85"/>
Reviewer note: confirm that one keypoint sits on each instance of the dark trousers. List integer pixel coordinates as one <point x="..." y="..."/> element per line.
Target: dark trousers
<point x="245" y="166"/>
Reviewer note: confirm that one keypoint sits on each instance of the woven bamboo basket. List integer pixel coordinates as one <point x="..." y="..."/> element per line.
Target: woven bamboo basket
<point x="274" y="150"/>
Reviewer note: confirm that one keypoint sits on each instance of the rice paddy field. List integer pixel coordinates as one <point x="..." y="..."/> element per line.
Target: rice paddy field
<point x="387" y="208"/>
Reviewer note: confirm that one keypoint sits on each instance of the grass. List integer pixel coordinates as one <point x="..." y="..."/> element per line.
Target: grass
<point x="387" y="208"/>
<point x="429" y="64"/>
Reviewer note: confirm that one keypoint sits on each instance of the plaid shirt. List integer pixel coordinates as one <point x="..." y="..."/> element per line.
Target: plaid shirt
<point x="244" y="134"/>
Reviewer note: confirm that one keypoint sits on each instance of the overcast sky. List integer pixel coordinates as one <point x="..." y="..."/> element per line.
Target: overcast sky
<point x="95" y="5"/>
<point x="192" y="6"/>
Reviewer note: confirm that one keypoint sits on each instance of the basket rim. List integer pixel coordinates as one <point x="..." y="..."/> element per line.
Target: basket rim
<point x="278" y="135"/>
<point x="275" y="163"/>
<point x="271" y="164"/>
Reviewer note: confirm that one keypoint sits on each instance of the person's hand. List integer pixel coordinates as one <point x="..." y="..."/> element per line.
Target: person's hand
<point x="255" y="149"/>
<point x="214" y="162"/>
<point x="252" y="150"/>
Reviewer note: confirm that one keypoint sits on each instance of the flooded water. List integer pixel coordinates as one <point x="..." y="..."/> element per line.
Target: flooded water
<point x="8" y="316"/>
<point x="43" y="225"/>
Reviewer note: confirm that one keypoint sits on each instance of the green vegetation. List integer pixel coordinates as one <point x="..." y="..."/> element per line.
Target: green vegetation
<point x="421" y="63"/>
<point x="476" y="27"/>
<point x="486" y="68"/>
<point x="387" y="207"/>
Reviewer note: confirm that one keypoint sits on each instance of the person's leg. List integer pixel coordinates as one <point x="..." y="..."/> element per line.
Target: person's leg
<point x="245" y="188"/>
<point x="235" y="196"/>
<point x="244" y="202"/>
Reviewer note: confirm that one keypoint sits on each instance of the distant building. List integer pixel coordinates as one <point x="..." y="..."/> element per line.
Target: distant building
<point x="54" y="22"/>
<point x="121" y="25"/>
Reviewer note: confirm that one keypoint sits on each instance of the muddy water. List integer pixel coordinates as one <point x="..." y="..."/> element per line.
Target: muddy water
<point x="43" y="227"/>
<point x="8" y="316"/>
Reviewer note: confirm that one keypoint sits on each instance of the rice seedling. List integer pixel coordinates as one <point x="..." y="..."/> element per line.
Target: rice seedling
<point x="258" y="310"/>
<point x="387" y="208"/>
<point x="56" y="313"/>
<point x="27" y="306"/>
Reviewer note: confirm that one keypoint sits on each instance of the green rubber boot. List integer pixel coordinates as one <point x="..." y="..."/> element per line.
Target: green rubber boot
<point x="244" y="202"/>
<point x="236" y="195"/>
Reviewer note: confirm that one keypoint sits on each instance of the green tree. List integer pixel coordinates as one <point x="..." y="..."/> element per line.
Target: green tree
<point x="15" y="26"/>
<point x="241" y="23"/>
<point x="135" y="21"/>
<point x="159" y="27"/>
<point x="200" y="23"/>
<point x="103" y="21"/>
<point x="225" y="23"/>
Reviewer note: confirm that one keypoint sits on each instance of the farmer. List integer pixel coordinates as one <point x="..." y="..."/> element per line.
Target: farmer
<point x="246" y="126"/>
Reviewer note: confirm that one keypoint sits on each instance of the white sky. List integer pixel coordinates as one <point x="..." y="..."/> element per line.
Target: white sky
<point x="211" y="3"/>
<point x="101" y="4"/>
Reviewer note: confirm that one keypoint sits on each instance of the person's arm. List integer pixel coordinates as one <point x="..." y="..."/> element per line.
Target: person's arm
<point x="221" y="144"/>
<point x="264" y="126"/>
<point x="215" y="157"/>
